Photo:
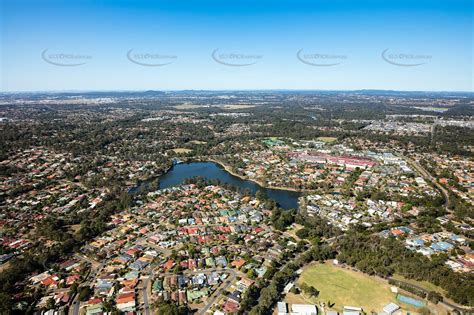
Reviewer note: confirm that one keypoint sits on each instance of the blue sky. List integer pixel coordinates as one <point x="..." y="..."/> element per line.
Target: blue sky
<point x="379" y="44"/>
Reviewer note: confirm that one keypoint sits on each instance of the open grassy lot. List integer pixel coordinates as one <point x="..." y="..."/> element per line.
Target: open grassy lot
<point x="346" y="287"/>
<point x="4" y="266"/>
<point x="424" y="284"/>
<point x="327" y="139"/>
<point x="238" y="106"/>
<point x="74" y="228"/>
<point x="293" y="229"/>
<point x="296" y="299"/>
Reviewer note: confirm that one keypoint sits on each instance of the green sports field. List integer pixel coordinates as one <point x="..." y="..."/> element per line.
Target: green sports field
<point x="347" y="287"/>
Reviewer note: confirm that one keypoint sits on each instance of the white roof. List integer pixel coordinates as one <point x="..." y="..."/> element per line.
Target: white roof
<point x="282" y="307"/>
<point x="304" y="309"/>
<point x="352" y="308"/>
<point x="126" y="305"/>
<point x="390" y="308"/>
<point x="288" y="287"/>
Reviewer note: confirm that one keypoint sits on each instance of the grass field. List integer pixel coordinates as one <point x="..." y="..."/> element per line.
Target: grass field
<point x="424" y="284"/>
<point x="327" y="139"/>
<point x="347" y="287"/>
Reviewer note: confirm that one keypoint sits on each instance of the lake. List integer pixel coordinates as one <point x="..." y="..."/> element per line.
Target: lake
<point x="209" y="170"/>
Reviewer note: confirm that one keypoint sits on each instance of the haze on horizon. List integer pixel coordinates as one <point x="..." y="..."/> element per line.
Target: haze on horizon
<point x="54" y="45"/>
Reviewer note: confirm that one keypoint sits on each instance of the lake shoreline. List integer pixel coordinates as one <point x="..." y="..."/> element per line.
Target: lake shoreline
<point x="228" y="169"/>
<point x="242" y="177"/>
<point x="212" y="169"/>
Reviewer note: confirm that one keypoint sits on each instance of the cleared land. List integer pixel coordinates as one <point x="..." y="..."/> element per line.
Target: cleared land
<point x="182" y="150"/>
<point x="346" y="287"/>
<point x="227" y="106"/>
<point x="238" y="106"/>
<point x="4" y="266"/>
<point x="294" y="228"/>
<point x="190" y="106"/>
<point x="74" y="228"/>
<point x="327" y="139"/>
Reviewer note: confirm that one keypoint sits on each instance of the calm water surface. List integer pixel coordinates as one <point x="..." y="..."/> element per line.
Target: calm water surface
<point x="209" y="170"/>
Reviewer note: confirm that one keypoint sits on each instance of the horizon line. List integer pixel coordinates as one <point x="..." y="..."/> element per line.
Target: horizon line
<point x="230" y="90"/>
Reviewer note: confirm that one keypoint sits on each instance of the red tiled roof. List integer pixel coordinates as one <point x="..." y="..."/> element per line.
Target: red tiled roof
<point x="93" y="301"/>
<point x="126" y="299"/>
<point x="169" y="264"/>
<point x="230" y="306"/>
<point x="238" y="263"/>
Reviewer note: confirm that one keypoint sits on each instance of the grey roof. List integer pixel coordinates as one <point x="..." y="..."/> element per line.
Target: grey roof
<point x="390" y="308"/>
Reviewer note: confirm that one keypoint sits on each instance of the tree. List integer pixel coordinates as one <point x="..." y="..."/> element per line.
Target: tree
<point x="251" y="274"/>
<point x="261" y="195"/>
<point x="5" y="303"/>
<point x="73" y="288"/>
<point x="313" y="291"/>
<point x="425" y="311"/>
<point x="50" y="304"/>
<point x="295" y="290"/>
<point x="168" y="308"/>
<point x="85" y="293"/>
<point x="434" y="297"/>
<point x="304" y="287"/>
<point x="256" y="310"/>
<point x="108" y="306"/>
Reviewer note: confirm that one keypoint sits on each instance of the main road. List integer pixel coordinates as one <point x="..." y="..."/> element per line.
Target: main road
<point x="430" y="178"/>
